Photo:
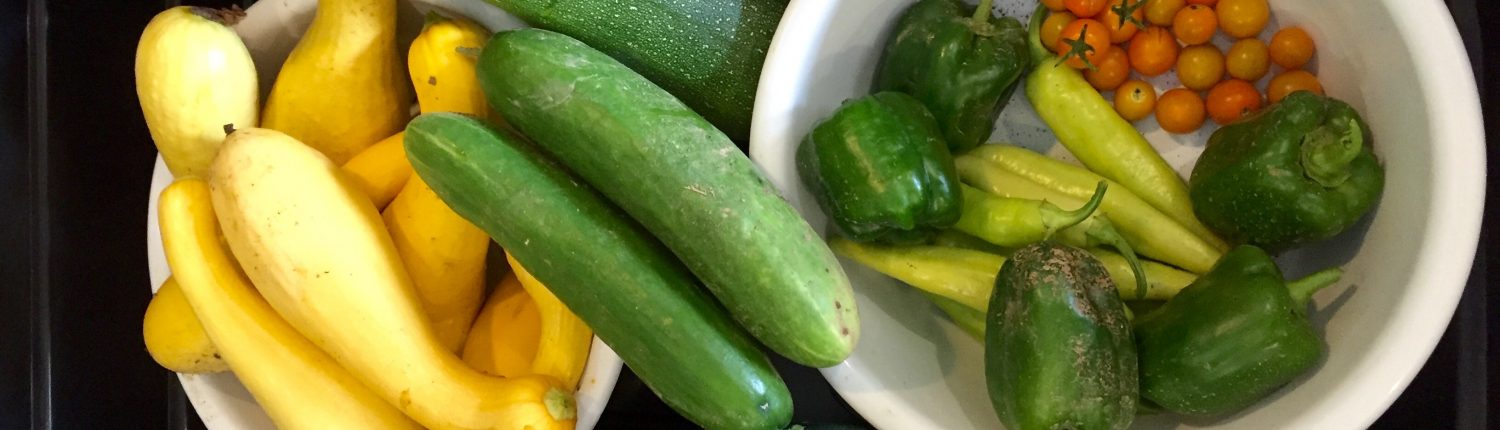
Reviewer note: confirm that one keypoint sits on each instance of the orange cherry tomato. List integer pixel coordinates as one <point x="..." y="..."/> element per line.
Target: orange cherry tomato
<point x="1086" y="8"/>
<point x="1055" y="5"/>
<point x="1135" y="99"/>
<point x="1111" y="70"/>
<point x="1195" y="24"/>
<point x="1161" y="12"/>
<point x="1292" y="81"/>
<point x="1232" y="99"/>
<point x="1291" y="48"/>
<point x="1180" y="111"/>
<point x="1243" y="18"/>
<point x="1083" y="43"/>
<point x="1199" y="67"/>
<point x="1053" y="26"/>
<point x="1153" y="51"/>
<point x="1202" y="2"/>
<point x="1121" y="30"/>
<point x="1248" y="59"/>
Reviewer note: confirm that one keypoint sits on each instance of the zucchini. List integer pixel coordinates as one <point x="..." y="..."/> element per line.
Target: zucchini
<point x="606" y="268"/>
<point x="682" y="179"/>
<point x="1058" y="350"/>
<point x="706" y="52"/>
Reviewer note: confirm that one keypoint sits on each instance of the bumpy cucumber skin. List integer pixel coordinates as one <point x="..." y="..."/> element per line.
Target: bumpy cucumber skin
<point x="1058" y="348"/>
<point x="682" y="179"/>
<point x="706" y="52"/>
<point x="635" y="295"/>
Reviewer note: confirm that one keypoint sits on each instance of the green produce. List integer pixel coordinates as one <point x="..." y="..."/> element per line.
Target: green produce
<point x="604" y="267"/>
<point x="880" y="170"/>
<point x="1231" y="338"/>
<point x="1010" y="171"/>
<point x="1058" y="351"/>
<point x="684" y="181"/>
<point x="956" y="239"/>
<point x="968" y="319"/>
<point x="1089" y="127"/>
<point x="706" y="52"/>
<point x="959" y="62"/>
<point x="1300" y="171"/>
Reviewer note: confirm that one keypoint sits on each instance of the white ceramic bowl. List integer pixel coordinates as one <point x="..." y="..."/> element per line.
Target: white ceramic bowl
<point x="1399" y="62"/>
<point x="270" y="30"/>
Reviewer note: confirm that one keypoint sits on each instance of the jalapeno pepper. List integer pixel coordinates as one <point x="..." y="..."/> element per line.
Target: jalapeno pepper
<point x="880" y="170"/>
<point x="1300" y="171"/>
<point x="1231" y="338"/>
<point x="959" y="62"/>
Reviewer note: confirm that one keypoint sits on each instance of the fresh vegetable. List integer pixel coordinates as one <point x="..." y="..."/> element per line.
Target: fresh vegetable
<point x="1231" y="100"/>
<point x="1243" y="18"/>
<point x="1195" y="24"/>
<point x="1292" y="81"/>
<point x="1111" y="71"/>
<point x="1086" y="8"/>
<point x="1161" y="12"/>
<point x="298" y="385"/>
<point x="1291" y="47"/>
<point x="1199" y="67"/>
<point x="564" y="349"/>
<point x="1083" y="44"/>
<point x="1088" y="126"/>
<point x="441" y="63"/>
<point x="1010" y="222"/>
<point x="1124" y="18"/>
<point x="505" y="336"/>
<point x="606" y="268"/>
<point x="316" y="250"/>
<point x="381" y="170"/>
<point x="961" y="63"/>
<point x="956" y="239"/>
<point x="193" y="76"/>
<point x="880" y="170"/>
<point x="1135" y="100"/>
<point x="684" y="181"/>
<point x="1231" y="338"/>
<point x="1248" y="59"/>
<point x="1053" y="26"/>
<point x="1180" y="110"/>
<point x="444" y="254"/>
<point x="1009" y="171"/>
<point x="708" y="53"/>
<point x="1058" y="350"/>
<point x="1301" y="171"/>
<point x="1153" y="51"/>
<point x="967" y="319"/>
<point x="341" y="89"/>
<point x="1056" y="6"/>
<point x="174" y="337"/>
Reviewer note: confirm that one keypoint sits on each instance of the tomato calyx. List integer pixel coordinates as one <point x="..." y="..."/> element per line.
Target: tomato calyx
<point x="1126" y="10"/>
<point x="1078" y="48"/>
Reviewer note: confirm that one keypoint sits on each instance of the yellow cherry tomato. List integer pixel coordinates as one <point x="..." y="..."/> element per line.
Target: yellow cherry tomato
<point x="1195" y="24"/>
<point x="1243" y="18"/>
<point x="1199" y="67"/>
<point x="1053" y="26"/>
<point x="1153" y="51"/>
<point x="1292" y="81"/>
<point x="1161" y="12"/>
<point x="1291" y="48"/>
<point x="1248" y="59"/>
<point x="1180" y="111"/>
<point x="1055" y="5"/>
<point x="1111" y="70"/>
<point x="1135" y="99"/>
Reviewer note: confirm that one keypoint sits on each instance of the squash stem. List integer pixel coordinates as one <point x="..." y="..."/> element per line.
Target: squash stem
<point x="560" y="404"/>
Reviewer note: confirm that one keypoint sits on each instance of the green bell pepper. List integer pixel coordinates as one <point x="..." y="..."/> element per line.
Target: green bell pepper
<point x="1232" y="337"/>
<point x="961" y="64"/>
<point x="880" y="170"/>
<point x="1300" y="171"/>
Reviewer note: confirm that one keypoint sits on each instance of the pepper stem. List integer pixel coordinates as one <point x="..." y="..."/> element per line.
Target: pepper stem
<point x="1303" y="289"/>
<point x="1328" y="150"/>
<point x="1034" y="35"/>
<point x="982" y="15"/>
<point x="432" y="17"/>
<point x="1054" y="218"/>
<point x="1102" y="232"/>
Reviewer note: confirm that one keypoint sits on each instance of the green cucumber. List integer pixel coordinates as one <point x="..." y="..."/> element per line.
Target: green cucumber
<point x="682" y="179"/>
<point x="637" y="297"/>
<point x="1058" y="350"/>
<point x="706" y="52"/>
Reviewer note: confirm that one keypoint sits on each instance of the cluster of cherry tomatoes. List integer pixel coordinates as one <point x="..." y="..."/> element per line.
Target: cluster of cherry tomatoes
<point x="1158" y="36"/>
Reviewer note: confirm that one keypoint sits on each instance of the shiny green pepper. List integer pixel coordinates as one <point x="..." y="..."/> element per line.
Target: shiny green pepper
<point x="1231" y="338"/>
<point x="962" y="65"/>
<point x="1300" y="171"/>
<point x="880" y="170"/>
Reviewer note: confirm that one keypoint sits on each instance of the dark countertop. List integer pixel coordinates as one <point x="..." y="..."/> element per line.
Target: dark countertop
<point x="73" y="163"/>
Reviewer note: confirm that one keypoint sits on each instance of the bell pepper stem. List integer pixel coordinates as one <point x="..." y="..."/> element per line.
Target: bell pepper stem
<point x="1034" y="35"/>
<point x="981" y="18"/>
<point x="1328" y="150"/>
<point x="1303" y="289"/>
<point x="1054" y="218"/>
<point x="1102" y="232"/>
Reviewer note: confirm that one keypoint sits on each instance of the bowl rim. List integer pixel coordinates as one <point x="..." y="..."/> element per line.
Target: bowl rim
<point x="1444" y="258"/>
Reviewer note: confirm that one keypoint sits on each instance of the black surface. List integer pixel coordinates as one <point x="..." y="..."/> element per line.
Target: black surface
<point x="75" y="157"/>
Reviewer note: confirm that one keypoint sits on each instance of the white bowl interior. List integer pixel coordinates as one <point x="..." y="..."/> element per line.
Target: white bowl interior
<point x="270" y="31"/>
<point x="1399" y="62"/>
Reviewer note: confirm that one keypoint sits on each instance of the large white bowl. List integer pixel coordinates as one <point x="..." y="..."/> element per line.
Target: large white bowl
<point x="270" y="30"/>
<point x="1399" y="62"/>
